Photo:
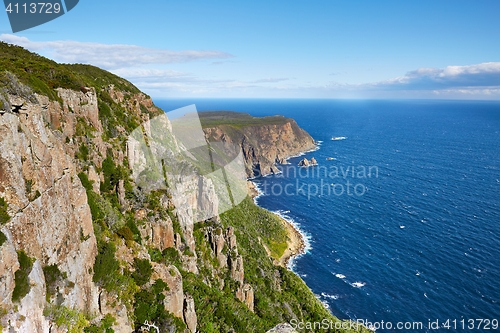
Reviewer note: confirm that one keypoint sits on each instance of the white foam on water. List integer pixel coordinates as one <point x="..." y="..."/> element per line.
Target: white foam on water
<point x="334" y="297"/>
<point x="306" y="237"/>
<point x="325" y="303"/>
<point x="358" y="284"/>
<point x="259" y="192"/>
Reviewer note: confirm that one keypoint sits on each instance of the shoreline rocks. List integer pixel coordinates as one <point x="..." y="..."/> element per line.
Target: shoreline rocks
<point x="307" y="163"/>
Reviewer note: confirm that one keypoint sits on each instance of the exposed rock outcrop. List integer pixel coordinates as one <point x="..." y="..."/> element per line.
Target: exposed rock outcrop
<point x="174" y="296"/>
<point x="307" y="163"/>
<point x="190" y="314"/>
<point x="304" y="162"/>
<point x="224" y="247"/>
<point x="51" y="220"/>
<point x="159" y="233"/>
<point x="8" y="265"/>
<point x="246" y="295"/>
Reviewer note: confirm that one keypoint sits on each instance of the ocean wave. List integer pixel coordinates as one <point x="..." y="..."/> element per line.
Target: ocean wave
<point x="334" y="297"/>
<point x="259" y="190"/>
<point x="358" y="284"/>
<point x="325" y="303"/>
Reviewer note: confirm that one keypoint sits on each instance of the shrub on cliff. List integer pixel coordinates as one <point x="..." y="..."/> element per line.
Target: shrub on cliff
<point x="106" y="266"/>
<point x="4" y="216"/>
<point x="22" y="287"/>
<point x="3" y="238"/>
<point x="143" y="271"/>
<point x="148" y="306"/>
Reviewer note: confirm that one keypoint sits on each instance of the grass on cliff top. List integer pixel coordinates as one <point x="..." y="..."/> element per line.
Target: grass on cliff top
<point x="237" y="119"/>
<point x="44" y="75"/>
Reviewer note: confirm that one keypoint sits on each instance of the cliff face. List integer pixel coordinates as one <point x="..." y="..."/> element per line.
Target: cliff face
<point x="264" y="141"/>
<point x="51" y="220"/>
<point x="82" y="246"/>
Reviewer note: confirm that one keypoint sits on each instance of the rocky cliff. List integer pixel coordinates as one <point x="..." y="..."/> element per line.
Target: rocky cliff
<point x="84" y="248"/>
<point x="264" y="141"/>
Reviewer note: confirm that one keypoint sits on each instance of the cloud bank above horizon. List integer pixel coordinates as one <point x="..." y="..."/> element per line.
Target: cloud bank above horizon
<point x="151" y="70"/>
<point x="109" y="56"/>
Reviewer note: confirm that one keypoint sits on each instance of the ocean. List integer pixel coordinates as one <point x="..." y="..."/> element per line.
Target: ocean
<point x="401" y="217"/>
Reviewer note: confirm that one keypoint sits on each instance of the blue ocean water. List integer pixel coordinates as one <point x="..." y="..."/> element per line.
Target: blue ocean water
<point x="414" y="236"/>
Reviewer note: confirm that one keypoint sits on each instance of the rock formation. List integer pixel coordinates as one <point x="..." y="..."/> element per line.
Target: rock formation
<point x="307" y="163"/>
<point x="304" y="162"/>
<point x="189" y="313"/>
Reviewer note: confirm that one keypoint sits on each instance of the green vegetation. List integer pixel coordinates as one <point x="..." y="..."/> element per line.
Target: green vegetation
<point x="279" y="294"/>
<point x="143" y="271"/>
<point x="52" y="275"/>
<point x="106" y="267"/>
<point x="4" y="215"/>
<point x="112" y="174"/>
<point x="22" y="287"/>
<point x="248" y="218"/>
<point x="237" y="119"/>
<point x="103" y="327"/>
<point x="3" y="238"/>
<point x="149" y="307"/>
<point x="44" y="75"/>
<point x="84" y="128"/>
<point x="73" y="320"/>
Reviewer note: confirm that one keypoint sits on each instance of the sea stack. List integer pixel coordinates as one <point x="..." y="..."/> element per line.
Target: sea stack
<point x="304" y="162"/>
<point x="307" y="163"/>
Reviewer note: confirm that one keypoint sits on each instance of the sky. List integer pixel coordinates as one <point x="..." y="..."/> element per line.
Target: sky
<point x="282" y="49"/>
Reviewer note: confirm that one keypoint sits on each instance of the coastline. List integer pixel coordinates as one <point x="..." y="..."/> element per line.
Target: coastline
<point x="296" y="240"/>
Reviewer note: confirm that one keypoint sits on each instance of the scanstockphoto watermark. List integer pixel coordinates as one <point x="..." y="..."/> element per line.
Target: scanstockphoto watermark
<point x="453" y="325"/>
<point x="317" y="181"/>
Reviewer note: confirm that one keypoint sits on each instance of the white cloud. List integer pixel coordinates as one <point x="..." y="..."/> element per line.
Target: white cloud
<point x="148" y="73"/>
<point x="146" y="68"/>
<point x="466" y="77"/>
<point x="271" y="80"/>
<point x="109" y="56"/>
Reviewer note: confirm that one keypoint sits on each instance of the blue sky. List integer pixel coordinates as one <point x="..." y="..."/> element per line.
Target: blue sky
<point x="328" y="49"/>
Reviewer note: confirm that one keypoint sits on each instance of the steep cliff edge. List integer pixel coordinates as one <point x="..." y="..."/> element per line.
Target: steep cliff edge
<point x="83" y="248"/>
<point x="264" y="141"/>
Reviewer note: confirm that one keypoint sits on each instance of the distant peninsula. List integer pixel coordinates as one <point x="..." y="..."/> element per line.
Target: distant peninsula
<point x="265" y="141"/>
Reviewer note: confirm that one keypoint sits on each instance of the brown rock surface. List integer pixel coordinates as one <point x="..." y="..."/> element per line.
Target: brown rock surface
<point x="174" y="297"/>
<point x="190" y="317"/>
